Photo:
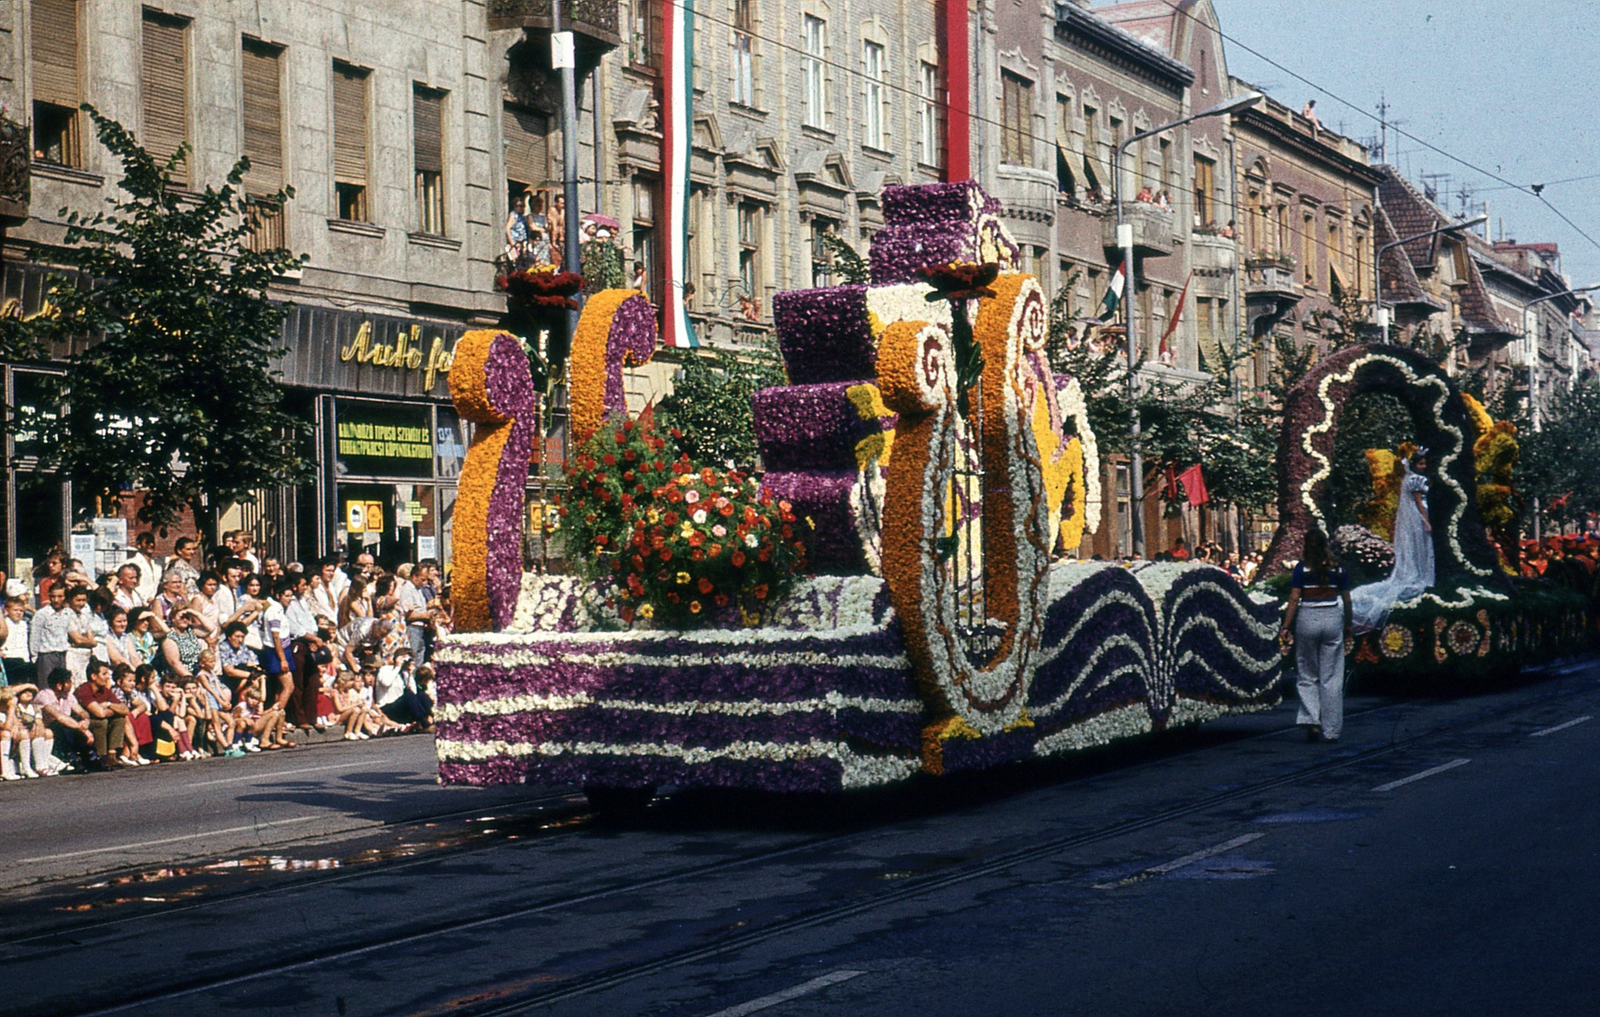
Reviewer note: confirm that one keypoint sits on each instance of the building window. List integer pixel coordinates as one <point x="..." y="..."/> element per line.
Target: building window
<point x="1205" y="194"/>
<point x="427" y="150"/>
<point x="1335" y="256"/>
<point x="1016" y="119"/>
<point x="1116" y="157"/>
<point x="1167" y="184"/>
<point x="1066" y="181"/>
<point x="1285" y="245"/>
<point x="816" y="50"/>
<point x="164" y="90"/>
<point x="873" y="95"/>
<point x="1308" y="248"/>
<point x="644" y="29"/>
<point x="350" y="141"/>
<point x="1358" y="285"/>
<point x="928" y="115"/>
<point x="262" y="117"/>
<point x="54" y="31"/>
<point x="527" y="145"/>
<point x="750" y="276"/>
<point x="644" y="235"/>
<point x="1091" y="152"/>
<point x="821" y="256"/>
<point x="744" y="42"/>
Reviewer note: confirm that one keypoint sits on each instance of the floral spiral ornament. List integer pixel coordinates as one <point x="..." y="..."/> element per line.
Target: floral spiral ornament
<point x="492" y="386"/>
<point x="925" y="504"/>
<point x="617" y="329"/>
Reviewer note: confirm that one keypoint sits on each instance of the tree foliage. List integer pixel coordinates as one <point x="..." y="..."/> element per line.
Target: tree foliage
<point x="174" y="394"/>
<point x="1560" y="463"/>
<point x="710" y="404"/>
<point x="1180" y="422"/>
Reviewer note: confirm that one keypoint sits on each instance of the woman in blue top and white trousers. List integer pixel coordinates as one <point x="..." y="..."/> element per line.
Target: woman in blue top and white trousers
<point x="1318" y="618"/>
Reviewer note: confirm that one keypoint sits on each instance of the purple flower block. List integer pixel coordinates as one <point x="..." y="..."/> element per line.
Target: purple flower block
<point x="832" y="546"/>
<point x="898" y="251"/>
<point x="824" y="334"/>
<point x="805" y="427"/>
<point x="933" y="203"/>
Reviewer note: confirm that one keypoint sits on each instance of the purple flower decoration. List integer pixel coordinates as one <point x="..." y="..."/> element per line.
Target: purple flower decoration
<point x="824" y="334"/>
<point x="805" y="427"/>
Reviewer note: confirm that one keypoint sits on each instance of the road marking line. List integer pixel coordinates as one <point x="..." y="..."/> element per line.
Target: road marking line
<point x="167" y="840"/>
<point x="268" y="776"/>
<point x="1178" y="863"/>
<point x="803" y="989"/>
<point x="1561" y="727"/>
<point x="1442" y="767"/>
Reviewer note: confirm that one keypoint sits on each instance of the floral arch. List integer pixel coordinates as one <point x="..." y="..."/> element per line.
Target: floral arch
<point x="1312" y="412"/>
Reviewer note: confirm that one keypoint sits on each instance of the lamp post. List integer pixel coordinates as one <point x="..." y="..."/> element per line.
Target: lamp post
<point x="1377" y="263"/>
<point x="1131" y="290"/>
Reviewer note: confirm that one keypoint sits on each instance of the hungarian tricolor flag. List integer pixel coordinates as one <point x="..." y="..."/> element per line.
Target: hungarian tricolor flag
<point x="677" y="133"/>
<point x="1113" y="297"/>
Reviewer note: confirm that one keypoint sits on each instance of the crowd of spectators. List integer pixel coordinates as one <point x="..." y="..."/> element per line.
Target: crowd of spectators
<point x="222" y="655"/>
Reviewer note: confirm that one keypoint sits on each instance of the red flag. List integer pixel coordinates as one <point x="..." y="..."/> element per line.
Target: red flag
<point x="1194" y="485"/>
<point x="1165" y="351"/>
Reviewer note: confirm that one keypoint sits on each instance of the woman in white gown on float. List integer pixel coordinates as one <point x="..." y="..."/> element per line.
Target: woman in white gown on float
<point x="1413" y="552"/>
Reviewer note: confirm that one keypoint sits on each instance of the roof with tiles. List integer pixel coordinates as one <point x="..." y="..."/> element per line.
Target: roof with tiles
<point x="1150" y="21"/>
<point x="1410" y="213"/>
<point x="1400" y="282"/>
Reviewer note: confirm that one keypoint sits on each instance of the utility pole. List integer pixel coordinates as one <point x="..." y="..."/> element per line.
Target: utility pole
<point x="1383" y="128"/>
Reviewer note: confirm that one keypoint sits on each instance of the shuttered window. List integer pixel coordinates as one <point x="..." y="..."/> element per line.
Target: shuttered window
<point x="164" y="90"/>
<point x="263" y="119"/>
<point x="54" y="28"/>
<point x="350" y="140"/>
<point x="427" y="119"/>
<point x="527" y="147"/>
<point x="54" y="32"/>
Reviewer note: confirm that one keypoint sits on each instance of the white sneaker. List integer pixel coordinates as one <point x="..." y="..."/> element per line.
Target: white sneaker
<point x="13" y="776"/>
<point x="351" y="736"/>
<point x="362" y="735"/>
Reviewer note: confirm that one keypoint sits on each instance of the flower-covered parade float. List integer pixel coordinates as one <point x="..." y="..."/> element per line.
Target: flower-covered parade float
<point x="881" y="602"/>
<point x="1479" y="619"/>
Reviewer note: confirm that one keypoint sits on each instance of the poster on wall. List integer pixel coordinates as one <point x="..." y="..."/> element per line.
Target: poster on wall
<point x="383" y="440"/>
<point x="355" y="516"/>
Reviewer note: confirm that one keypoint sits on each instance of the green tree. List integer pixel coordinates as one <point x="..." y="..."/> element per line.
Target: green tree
<point x="174" y="394"/>
<point x="710" y="404"/>
<point x="1560" y="463"/>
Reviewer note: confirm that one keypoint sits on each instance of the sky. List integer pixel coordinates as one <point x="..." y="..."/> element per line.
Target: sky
<point x="1510" y="88"/>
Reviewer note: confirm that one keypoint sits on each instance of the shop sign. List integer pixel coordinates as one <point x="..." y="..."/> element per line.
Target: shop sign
<point x="405" y="353"/>
<point x="383" y="441"/>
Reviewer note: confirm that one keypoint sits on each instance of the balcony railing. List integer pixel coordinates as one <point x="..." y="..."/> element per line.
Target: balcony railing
<point x="1152" y="228"/>
<point x="1271" y="276"/>
<point x="14" y="168"/>
<point x="596" y="19"/>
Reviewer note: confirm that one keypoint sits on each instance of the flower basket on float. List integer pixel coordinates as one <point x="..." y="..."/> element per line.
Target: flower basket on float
<point x="921" y="473"/>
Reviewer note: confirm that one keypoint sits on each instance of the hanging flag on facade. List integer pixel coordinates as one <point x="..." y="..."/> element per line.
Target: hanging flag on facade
<point x="1164" y="351"/>
<point x="1113" y="297"/>
<point x="1194" y="485"/>
<point x="677" y="134"/>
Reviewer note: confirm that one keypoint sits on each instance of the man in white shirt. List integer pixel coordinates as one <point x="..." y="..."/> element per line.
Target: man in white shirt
<point x="414" y="609"/>
<point x="49" y="635"/>
<point x="299" y="620"/>
<point x="144" y="556"/>
<point x="239" y="542"/>
<point x="128" y="596"/>
<point x="16" y="653"/>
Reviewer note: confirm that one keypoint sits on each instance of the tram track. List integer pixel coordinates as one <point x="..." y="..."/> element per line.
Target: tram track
<point x="911" y="887"/>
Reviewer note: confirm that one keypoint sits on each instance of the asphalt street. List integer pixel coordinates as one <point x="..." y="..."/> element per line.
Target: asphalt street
<point x="1442" y="859"/>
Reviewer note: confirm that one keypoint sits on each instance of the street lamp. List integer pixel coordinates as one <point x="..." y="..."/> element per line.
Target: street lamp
<point x="1130" y="290"/>
<point x="1377" y="262"/>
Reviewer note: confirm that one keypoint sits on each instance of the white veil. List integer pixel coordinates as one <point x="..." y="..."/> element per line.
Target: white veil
<point x="1413" y="570"/>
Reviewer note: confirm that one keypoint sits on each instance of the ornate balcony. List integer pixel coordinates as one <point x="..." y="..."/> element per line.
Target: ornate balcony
<point x="1212" y="255"/>
<point x="14" y="168"/>
<point x="1271" y="290"/>
<point x="592" y="22"/>
<point x="1152" y="229"/>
